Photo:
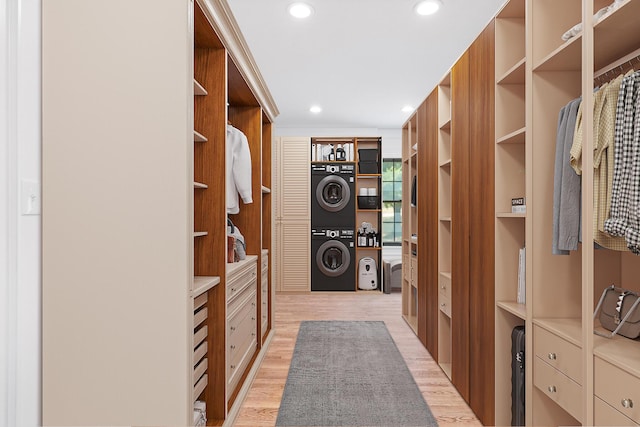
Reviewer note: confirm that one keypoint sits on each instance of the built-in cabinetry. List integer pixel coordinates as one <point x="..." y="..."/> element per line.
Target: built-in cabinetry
<point x="572" y="377"/>
<point x="368" y="157"/>
<point x="142" y="315"/>
<point x="292" y="214"/>
<point x="454" y="137"/>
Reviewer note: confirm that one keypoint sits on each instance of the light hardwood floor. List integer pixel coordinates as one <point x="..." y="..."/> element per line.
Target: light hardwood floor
<point x="260" y="408"/>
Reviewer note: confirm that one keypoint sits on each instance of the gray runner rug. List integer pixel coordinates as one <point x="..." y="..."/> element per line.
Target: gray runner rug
<point x="350" y="374"/>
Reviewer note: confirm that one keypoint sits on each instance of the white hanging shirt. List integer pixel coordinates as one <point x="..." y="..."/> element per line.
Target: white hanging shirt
<point x="238" y="165"/>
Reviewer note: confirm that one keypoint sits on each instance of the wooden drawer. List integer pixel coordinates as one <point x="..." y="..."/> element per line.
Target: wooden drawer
<point x="406" y="268"/>
<point x="235" y="321"/>
<point x="241" y="299"/>
<point x="558" y="352"/>
<point x="265" y="263"/>
<point x="445" y="304"/>
<point x="264" y="282"/>
<point x="559" y="387"/>
<point x="240" y="279"/>
<point x="444" y="287"/>
<point x="605" y="415"/>
<point x="235" y="369"/>
<point x="618" y="388"/>
<point x="245" y="330"/>
<point x="414" y="271"/>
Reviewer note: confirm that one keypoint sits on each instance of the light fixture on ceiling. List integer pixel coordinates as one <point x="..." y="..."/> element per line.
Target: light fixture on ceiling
<point x="407" y="109"/>
<point x="300" y="10"/>
<point x="315" y="109"/>
<point x="428" y="7"/>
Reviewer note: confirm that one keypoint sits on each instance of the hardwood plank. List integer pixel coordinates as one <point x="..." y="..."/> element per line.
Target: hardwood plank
<point x="260" y="408"/>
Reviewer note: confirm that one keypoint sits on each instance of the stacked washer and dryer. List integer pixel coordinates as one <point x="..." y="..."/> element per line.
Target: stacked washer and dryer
<point x="333" y="257"/>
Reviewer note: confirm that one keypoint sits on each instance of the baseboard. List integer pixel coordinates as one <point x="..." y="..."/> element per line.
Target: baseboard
<point x="242" y="394"/>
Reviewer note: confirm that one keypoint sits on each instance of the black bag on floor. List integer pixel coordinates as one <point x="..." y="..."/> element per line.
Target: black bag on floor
<point x="517" y="376"/>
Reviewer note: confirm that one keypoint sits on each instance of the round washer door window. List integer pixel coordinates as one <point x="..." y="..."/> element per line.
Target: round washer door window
<point x="333" y="258"/>
<point x="333" y="193"/>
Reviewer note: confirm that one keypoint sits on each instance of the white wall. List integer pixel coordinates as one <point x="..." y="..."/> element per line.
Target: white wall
<point x="20" y="271"/>
<point x="391" y="148"/>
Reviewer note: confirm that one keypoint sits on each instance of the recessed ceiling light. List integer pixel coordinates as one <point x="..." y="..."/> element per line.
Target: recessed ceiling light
<point x="407" y="109"/>
<point x="315" y="109"/>
<point x="428" y="7"/>
<point x="300" y="10"/>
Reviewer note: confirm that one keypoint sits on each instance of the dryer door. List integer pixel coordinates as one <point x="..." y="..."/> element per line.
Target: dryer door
<point x="333" y="258"/>
<point x="333" y="193"/>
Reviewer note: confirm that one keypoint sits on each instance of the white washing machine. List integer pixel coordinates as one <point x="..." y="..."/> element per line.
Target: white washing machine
<point x="367" y="274"/>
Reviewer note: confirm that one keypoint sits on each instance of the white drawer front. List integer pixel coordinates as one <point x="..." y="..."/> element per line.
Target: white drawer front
<point x="605" y="415"/>
<point x="237" y="282"/>
<point x="558" y="352"/>
<point x="444" y="287"/>
<point x="241" y="299"/>
<point x="559" y="387"/>
<point x="618" y="388"/>
<point x="444" y="304"/>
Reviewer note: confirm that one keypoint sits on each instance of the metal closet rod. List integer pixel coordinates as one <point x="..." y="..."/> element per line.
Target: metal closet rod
<point x="618" y="67"/>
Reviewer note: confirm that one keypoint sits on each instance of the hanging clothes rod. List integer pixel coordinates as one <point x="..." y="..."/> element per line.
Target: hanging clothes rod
<point x="618" y="67"/>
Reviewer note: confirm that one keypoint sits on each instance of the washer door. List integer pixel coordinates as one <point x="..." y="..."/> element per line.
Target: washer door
<point x="333" y="258"/>
<point x="333" y="193"/>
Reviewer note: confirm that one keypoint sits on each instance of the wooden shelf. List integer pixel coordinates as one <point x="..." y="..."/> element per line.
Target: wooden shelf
<point x="445" y="219"/>
<point x="446" y="274"/>
<point x="368" y="210"/>
<point x="515" y="75"/>
<point x="198" y="137"/>
<point x="369" y="175"/>
<point x="567" y="57"/>
<point x="568" y="328"/>
<point x="446" y="164"/>
<point x="200" y="233"/>
<point x="515" y="137"/>
<point x="616" y="35"/>
<point x="198" y="89"/>
<point x="446" y="125"/>
<point x="200" y="185"/>
<point x="202" y="284"/>
<point x="518" y="310"/>
<point x="510" y="215"/>
<point x="233" y="266"/>
<point x="265" y="190"/>
<point x="368" y="248"/>
<point x="619" y="351"/>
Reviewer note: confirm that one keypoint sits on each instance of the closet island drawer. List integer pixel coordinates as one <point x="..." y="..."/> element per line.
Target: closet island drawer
<point x="618" y="388"/>
<point x="558" y="352"/>
<point x="241" y="298"/>
<point x="605" y="415"/>
<point x="241" y="275"/>
<point x="238" y="283"/>
<point x="558" y="387"/>
<point x="237" y="322"/>
<point x="265" y="261"/>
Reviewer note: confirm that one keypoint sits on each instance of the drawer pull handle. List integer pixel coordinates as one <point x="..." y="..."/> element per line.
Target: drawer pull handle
<point x="233" y="347"/>
<point x="627" y="403"/>
<point x="233" y="289"/>
<point x="233" y="366"/>
<point x="253" y="334"/>
<point x="253" y="318"/>
<point x="443" y="287"/>
<point x="233" y="328"/>
<point x="443" y="305"/>
<point x="552" y="389"/>
<point x="552" y="356"/>
<point x="253" y="304"/>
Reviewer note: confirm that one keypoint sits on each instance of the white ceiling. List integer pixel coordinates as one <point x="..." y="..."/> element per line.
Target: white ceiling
<point x="361" y="60"/>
